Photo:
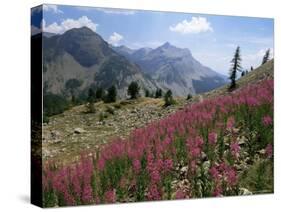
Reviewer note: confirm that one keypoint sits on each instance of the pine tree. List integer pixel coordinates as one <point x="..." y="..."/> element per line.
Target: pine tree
<point x="235" y="66"/>
<point x="91" y="95"/>
<point x="158" y="93"/>
<point x="99" y="93"/>
<point x="111" y="94"/>
<point x="266" y="57"/>
<point x="147" y="93"/>
<point x="133" y="90"/>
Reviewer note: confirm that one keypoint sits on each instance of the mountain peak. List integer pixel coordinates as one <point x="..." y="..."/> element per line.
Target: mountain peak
<point x="166" y="45"/>
<point x="81" y="31"/>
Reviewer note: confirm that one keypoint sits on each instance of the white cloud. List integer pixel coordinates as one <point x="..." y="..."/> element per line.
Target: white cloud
<point x="194" y="26"/>
<point x="108" y="10"/>
<point x="68" y="24"/>
<point x="115" y="38"/>
<point x="51" y="8"/>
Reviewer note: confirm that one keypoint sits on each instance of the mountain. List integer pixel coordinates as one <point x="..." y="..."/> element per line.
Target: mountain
<point x="83" y="55"/>
<point x="176" y="69"/>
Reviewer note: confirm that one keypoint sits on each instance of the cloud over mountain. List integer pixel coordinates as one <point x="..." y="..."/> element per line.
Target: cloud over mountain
<point x="68" y="24"/>
<point x="194" y="26"/>
<point x="115" y="38"/>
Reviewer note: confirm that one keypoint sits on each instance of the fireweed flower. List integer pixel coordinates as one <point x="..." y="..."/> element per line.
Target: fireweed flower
<point x="168" y="165"/>
<point x="153" y="193"/>
<point x="212" y="138"/>
<point x="110" y="196"/>
<point x="136" y="166"/>
<point x="231" y="176"/>
<point x="180" y="194"/>
<point x="155" y="176"/>
<point x="235" y="149"/>
<point x="269" y="150"/>
<point x="217" y="191"/>
<point x="195" y="146"/>
<point x="267" y="121"/>
<point x="230" y="123"/>
<point x="87" y="194"/>
<point x="214" y="173"/>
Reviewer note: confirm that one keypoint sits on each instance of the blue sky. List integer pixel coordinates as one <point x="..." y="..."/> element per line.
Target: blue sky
<point x="212" y="39"/>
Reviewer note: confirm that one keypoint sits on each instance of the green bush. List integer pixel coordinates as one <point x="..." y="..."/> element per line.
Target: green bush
<point x="168" y="98"/>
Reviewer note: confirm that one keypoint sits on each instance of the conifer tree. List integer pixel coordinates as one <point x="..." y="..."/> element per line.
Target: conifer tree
<point x="133" y="90"/>
<point x="235" y="66"/>
<point x="266" y="57"/>
<point x="111" y="94"/>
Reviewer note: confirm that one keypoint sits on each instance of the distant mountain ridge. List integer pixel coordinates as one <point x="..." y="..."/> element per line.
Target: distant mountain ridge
<point x="174" y="68"/>
<point x="82" y="54"/>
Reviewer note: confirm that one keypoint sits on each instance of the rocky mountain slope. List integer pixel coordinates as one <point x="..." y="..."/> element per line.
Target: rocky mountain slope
<point x="83" y="55"/>
<point x="174" y="68"/>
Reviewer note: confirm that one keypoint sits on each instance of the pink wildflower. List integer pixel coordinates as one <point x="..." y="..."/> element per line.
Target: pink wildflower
<point x="231" y="176"/>
<point x="214" y="173"/>
<point x="153" y="193"/>
<point x="87" y="194"/>
<point x="180" y="194"/>
<point x="110" y="196"/>
<point x="168" y="165"/>
<point x="212" y="138"/>
<point x="136" y="166"/>
<point x="155" y="176"/>
<point x="269" y="150"/>
<point x="217" y="191"/>
<point x="267" y="121"/>
<point x="230" y="123"/>
<point x="235" y="149"/>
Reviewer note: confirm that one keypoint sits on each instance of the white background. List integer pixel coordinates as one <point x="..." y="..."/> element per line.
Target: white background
<point x="15" y="106"/>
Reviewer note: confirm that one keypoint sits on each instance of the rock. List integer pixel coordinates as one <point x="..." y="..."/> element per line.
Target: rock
<point x="79" y="130"/>
<point x="183" y="172"/>
<point x="244" y="191"/>
<point x="241" y="140"/>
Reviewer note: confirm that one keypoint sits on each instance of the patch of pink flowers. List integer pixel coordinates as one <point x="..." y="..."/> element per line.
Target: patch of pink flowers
<point x="149" y="157"/>
<point x="267" y="121"/>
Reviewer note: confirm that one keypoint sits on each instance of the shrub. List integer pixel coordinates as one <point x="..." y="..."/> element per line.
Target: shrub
<point x="189" y="96"/>
<point x="168" y="98"/>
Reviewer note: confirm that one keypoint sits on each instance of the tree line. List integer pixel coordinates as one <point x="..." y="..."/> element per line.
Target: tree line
<point x="237" y="67"/>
